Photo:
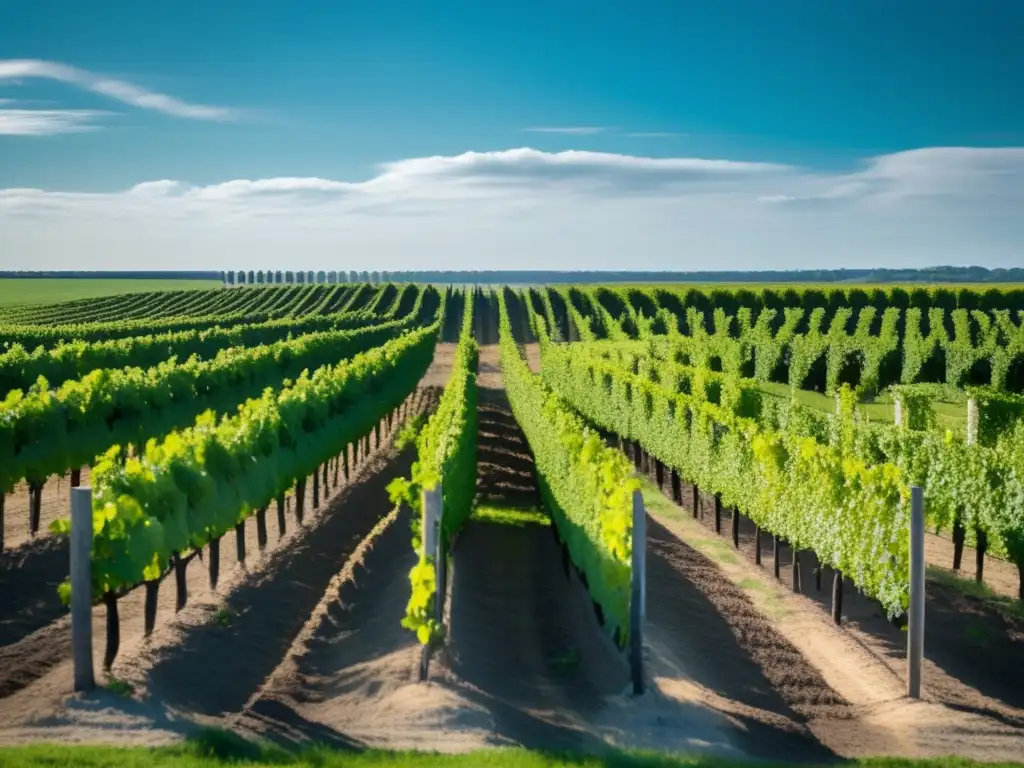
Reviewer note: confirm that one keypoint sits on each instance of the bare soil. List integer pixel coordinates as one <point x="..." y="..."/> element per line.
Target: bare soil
<point x="351" y="678"/>
<point x="1001" y="576"/>
<point x="303" y="642"/>
<point x="972" y="692"/>
<point x="212" y="656"/>
<point x="524" y="642"/>
<point x="56" y="503"/>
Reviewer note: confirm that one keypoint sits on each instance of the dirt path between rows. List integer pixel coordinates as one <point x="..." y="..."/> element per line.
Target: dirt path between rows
<point x="210" y="658"/>
<point x="723" y="632"/>
<point x="836" y="683"/>
<point x="524" y="641"/>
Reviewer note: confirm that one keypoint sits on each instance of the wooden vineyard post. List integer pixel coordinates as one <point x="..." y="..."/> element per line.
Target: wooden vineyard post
<point x="214" y="562"/>
<point x="35" y="506"/>
<point x="638" y="594"/>
<point x="433" y="547"/>
<point x="735" y="527"/>
<point x="3" y="498"/>
<point x="149" y="612"/>
<point x="261" y="528"/>
<point x="696" y="501"/>
<point x="300" y="499"/>
<point x="180" y="583"/>
<point x="281" y="525"/>
<point x="113" y="631"/>
<point x="240" y="542"/>
<point x="81" y="587"/>
<point x="915" y="628"/>
<point x="718" y="514"/>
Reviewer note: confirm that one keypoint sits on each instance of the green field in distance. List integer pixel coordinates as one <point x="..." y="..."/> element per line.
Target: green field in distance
<point x="47" y="290"/>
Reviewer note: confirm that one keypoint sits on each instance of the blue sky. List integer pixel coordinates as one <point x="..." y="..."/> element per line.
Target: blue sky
<point x="816" y="112"/>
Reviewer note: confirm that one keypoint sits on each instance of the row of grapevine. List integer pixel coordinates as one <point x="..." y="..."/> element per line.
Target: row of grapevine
<point x="43" y="432"/>
<point x="31" y="336"/>
<point x="587" y="487"/>
<point x="446" y="450"/>
<point x="731" y="299"/>
<point x="189" y="488"/>
<point x="853" y="514"/>
<point x="867" y="348"/>
<point x="275" y="301"/>
<point x="973" y="489"/>
<point x="20" y="369"/>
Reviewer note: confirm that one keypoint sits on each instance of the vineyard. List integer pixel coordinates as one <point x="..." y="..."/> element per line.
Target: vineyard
<point x="573" y="517"/>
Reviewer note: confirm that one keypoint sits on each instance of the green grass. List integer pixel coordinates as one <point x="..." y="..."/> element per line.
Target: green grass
<point x="948" y="415"/>
<point x="224" y="616"/>
<point x="217" y="749"/>
<point x="510" y="516"/>
<point x="120" y="687"/>
<point x="14" y="291"/>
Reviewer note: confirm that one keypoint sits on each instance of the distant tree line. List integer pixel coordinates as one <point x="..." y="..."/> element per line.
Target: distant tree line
<point x="276" y="277"/>
<point x="520" y="277"/>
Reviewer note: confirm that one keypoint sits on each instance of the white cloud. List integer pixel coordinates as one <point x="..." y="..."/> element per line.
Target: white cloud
<point x="18" y="69"/>
<point x="47" y="122"/>
<point x="580" y="130"/>
<point x="964" y="174"/>
<point x="532" y="209"/>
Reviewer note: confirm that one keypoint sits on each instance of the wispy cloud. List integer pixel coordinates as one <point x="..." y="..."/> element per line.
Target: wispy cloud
<point x="552" y="210"/>
<point x="47" y="122"/>
<point x="571" y="130"/>
<point x="988" y="175"/>
<point x="652" y="134"/>
<point x="120" y="90"/>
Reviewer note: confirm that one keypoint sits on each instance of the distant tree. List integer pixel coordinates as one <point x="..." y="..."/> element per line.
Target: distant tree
<point x="321" y="276"/>
<point x="384" y="277"/>
<point x="375" y="277"/>
<point x="278" y="278"/>
<point x="353" y="276"/>
<point x="230" y="278"/>
<point x="342" y="277"/>
<point x="259" y="277"/>
<point x="301" y="276"/>
<point x="332" y="277"/>
<point x="252" y="275"/>
<point x="241" y="277"/>
<point x="289" y="277"/>
<point x="310" y="277"/>
<point x="364" y="277"/>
